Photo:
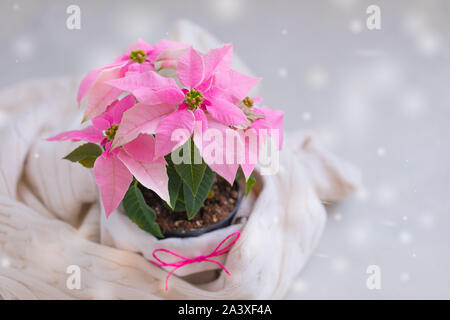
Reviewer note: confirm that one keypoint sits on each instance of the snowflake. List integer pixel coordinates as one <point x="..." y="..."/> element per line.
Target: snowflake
<point x="300" y="286"/>
<point x="413" y="103"/>
<point x="381" y="151"/>
<point x="5" y="263"/>
<point x="385" y="195"/>
<point x="228" y="9"/>
<point x="23" y="47"/>
<point x="355" y="26"/>
<point x="428" y="43"/>
<point x="306" y="116"/>
<point x="282" y="72"/>
<point x="404" y="277"/>
<point x="405" y="237"/>
<point x="340" y="265"/>
<point x="427" y="221"/>
<point x="362" y="194"/>
<point x="317" y="77"/>
<point x="358" y="234"/>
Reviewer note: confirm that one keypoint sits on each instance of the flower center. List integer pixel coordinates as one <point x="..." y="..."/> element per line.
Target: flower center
<point x="248" y="102"/>
<point x="110" y="133"/>
<point x="138" y="56"/>
<point x="193" y="99"/>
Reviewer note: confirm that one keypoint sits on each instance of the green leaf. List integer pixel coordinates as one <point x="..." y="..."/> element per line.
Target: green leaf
<point x="194" y="202"/>
<point x="180" y="206"/>
<point x="85" y="154"/>
<point x="191" y="173"/>
<point x="139" y="212"/>
<point x="175" y="182"/>
<point x="88" y="162"/>
<point x="249" y="184"/>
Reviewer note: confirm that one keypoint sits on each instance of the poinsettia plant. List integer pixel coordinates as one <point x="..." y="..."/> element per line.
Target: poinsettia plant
<point x="170" y="132"/>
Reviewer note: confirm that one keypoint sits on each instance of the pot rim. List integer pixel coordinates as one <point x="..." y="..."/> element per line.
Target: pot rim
<point x="218" y="225"/>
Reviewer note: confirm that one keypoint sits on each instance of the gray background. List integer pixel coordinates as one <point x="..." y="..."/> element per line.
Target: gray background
<point x="377" y="98"/>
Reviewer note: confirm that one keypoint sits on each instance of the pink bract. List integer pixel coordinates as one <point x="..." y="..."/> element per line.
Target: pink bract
<point x="139" y="116"/>
<point x="114" y="169"/>
<point x="94" y="88"/>
<point x="259" y="130"/>
<point x="208" y="75"/>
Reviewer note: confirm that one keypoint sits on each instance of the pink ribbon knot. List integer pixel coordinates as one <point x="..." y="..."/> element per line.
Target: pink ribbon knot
<point x="218" y="251"/>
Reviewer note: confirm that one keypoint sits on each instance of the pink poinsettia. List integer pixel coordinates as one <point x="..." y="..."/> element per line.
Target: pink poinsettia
<point x="243" y="145"/>
<point x="138" y="58"/>
<point x="208" y="87"/>
<point x="114" y="169"/>
<point x="272" y="123"/>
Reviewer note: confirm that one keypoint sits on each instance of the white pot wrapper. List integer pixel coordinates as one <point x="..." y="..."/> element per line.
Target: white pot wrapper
<point x="120" y="232"/>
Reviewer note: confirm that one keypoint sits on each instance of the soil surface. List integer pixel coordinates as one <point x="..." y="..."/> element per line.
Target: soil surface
<point x="215" y="209"/>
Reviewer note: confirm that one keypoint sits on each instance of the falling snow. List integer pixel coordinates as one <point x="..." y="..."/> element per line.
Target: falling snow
<point x="306" y="116"/>
<point x="405" y="237"/>
<point x="228" y="10"/>
<point x="386" y="195"/>
<point x="317" y="77"/>
<point x="300" y="286"/>
<point x="23" y="47"/>
<point x="367" y="98"/>
<point x="358" y="234"/>
<point x="355" y="26"/>
<point x="404" y="277"/>
<point x="426" y="221"/>
<point x="340" y="265"/>
<point x="381" y="151"/>
<point x="282" y="72"/>
<point x="5" y="262"/>
<point x="414" y="103"/>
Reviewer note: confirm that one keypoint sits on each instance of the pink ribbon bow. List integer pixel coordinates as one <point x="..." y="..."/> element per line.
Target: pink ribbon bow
<point x="218" y="251"/>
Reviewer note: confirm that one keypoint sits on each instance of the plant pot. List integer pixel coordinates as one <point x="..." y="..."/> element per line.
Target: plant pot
<point x="220" y="224"/>
<point x="119" y="231"/>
